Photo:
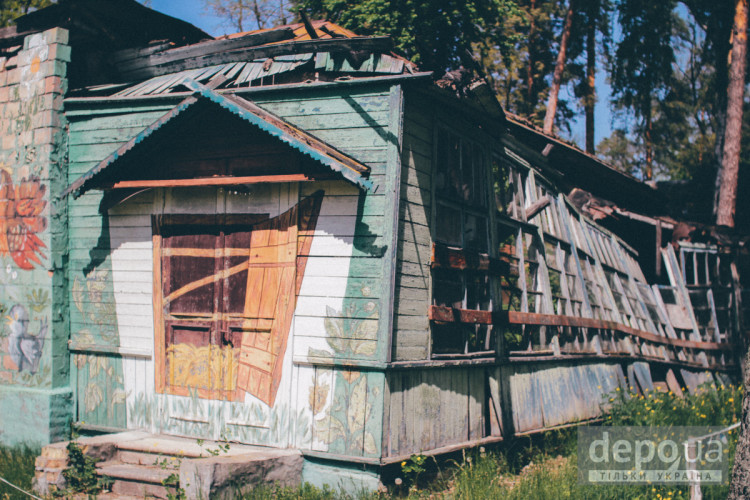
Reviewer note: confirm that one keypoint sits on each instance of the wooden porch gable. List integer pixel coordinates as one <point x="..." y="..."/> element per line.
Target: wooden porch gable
<point x="237" y="142"/>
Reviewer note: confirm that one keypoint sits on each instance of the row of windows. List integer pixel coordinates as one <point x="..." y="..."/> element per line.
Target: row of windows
<point x="568" y="266"/>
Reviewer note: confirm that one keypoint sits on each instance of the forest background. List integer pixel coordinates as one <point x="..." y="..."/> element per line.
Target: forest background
<point x="664" y="64"/>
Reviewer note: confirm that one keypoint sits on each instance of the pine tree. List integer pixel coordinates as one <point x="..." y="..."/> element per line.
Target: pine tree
<point x="11" y="9"/>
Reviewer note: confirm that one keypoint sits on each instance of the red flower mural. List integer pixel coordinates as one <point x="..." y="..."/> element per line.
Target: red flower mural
<point x="20" y="219"/>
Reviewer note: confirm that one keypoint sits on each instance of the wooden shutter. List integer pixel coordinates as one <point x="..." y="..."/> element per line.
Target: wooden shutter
<point x="273" y="280"/>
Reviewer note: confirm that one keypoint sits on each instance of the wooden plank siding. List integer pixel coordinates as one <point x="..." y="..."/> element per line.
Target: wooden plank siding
<point x="411" y="330"/>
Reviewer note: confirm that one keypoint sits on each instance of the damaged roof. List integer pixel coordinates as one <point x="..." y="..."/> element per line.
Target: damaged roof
<point x="577" y="168"/>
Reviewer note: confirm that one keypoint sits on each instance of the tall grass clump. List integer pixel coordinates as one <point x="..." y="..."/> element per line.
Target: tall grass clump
<point x="16" y="466"/>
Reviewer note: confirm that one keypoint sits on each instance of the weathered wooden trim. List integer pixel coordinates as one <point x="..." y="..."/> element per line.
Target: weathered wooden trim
<point x="563" y="426"/>
<point x="340" y="458"/>
<point x="443" y="363"/>
<point x="204" y="48"/>
<point x="396" y="128"/>
<point x="348" y="363"/>
<point x="110" y="350"/>
<point x="221" y="181"/>
<point x="534" y="357"/>
<point x="160" y="355"/>
<point x="536" y="208"/>
<point x="207" y="219"/>
<point x="445" y="449"/>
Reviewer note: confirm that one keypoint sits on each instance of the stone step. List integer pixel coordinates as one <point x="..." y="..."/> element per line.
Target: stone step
<point x="143" y="473"/>
<point x="183" y="447"/>
<point x="133" y="489"/>
<point x="136" y="480"/>
<point x="141" y="458"/>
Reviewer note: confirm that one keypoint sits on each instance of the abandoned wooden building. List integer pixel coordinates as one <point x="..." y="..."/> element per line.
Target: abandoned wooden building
<point x="295" y="239"/>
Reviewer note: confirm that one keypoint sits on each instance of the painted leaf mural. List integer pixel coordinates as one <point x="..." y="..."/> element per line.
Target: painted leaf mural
<point x="21" y="219"/>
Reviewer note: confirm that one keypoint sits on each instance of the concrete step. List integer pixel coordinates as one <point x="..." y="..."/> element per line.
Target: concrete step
<point x="136" y="480"/>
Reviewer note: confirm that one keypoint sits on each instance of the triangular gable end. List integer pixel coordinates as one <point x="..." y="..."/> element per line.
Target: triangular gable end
<point x="117" y="171"/>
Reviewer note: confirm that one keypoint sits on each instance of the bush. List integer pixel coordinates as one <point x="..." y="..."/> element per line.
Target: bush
<point x="17" y="466"/>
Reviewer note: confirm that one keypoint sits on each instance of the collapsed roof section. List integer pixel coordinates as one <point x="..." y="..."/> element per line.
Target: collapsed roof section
<point x="575" y="168"/>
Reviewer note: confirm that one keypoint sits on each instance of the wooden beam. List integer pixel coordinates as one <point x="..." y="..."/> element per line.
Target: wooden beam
<point x="205" y="48"/>
<point x="520" y="318"/>
<point x="308" y="25"/>
<point x="455" y="258"/>
<point x="445" y="314"/>
<point x="537" y="207"/>
<point x="219" y="181"/>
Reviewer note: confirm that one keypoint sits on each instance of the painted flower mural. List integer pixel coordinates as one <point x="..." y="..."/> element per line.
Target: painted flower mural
<point x="21" y="219"/>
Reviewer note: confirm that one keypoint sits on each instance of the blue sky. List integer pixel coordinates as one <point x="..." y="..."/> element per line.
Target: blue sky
<point x="194" y="12"/>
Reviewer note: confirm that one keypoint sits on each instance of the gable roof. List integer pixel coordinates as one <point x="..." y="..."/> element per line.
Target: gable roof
<point x="335" y="161"/>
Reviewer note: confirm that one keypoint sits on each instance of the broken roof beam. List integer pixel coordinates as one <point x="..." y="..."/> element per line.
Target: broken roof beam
<point x="175" y="60"/>
<point x="206" y="48"/>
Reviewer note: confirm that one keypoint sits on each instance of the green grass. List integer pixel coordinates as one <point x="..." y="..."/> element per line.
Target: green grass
<point x="16" y="466"/>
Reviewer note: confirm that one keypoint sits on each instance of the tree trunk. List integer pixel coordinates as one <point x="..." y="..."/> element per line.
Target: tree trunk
<point x="739" y="488"/>
<point x="730" y="166"/>
<point x="549" y="118"/>
<point x="649" y="173"/>
<point x="530" y="66"/>
<point x="590" y="101"/>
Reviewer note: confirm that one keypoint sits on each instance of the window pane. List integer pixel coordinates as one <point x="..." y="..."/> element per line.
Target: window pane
<point x="480" y="177"/>
<point x="475" y="232"/>
<point x="448" y="180"/>
<point x="448" y="288"/>
<point x="449" y="339"/>
<point x="448" y="225"/>
<point x="467" y="169"/>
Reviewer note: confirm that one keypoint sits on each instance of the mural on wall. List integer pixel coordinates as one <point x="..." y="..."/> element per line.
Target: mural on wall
<point x="25" y="348"/>
<point x="96" y="311"/>
<point x="100" y="386"/>
<point x="191" y="415"/>
<point x="21" y="219"/>
<point x="24" y="338"/>
<point x="227" y="313"/>
<point x="101" y="394"/>
<point x="348" y="425"/>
